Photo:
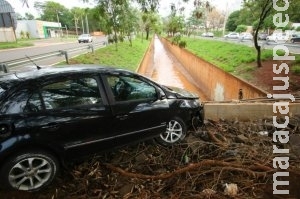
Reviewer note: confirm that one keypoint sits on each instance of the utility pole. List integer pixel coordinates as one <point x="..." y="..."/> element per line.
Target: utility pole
<point x="58" y="23"/>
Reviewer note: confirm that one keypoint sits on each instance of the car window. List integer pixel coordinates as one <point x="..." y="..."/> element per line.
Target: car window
<point x="64" y="94"/>
<point x="34" y="103"/>
<point x="15" y="103"/>
<point x="128" y="88"/>
<point x="69" y="93"/>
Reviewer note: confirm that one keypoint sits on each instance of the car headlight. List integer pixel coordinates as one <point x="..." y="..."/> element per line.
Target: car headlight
<point x="190" y="103"/>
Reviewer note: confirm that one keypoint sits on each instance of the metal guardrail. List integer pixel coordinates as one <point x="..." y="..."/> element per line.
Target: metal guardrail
<point x="4" y="66"/>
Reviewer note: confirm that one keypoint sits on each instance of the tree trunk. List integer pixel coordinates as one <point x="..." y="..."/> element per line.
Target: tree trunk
<point x="147" y="33"/>
<point x="258" y="59"/>
<point x="258" y="49"/>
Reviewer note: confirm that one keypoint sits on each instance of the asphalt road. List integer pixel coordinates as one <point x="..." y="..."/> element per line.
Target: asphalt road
<point x="46" y="46"/>
<point x="293" y="48"/>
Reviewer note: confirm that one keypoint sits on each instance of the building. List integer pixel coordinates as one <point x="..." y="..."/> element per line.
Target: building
<point x="38" y="29"/>
<point x="8" y="22"/>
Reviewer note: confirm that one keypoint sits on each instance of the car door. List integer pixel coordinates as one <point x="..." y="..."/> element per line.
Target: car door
<point x="72" y="114"/>
<point x="139" y="109"/>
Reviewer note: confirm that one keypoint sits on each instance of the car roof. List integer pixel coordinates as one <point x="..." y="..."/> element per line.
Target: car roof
<point x="53" y="71"/>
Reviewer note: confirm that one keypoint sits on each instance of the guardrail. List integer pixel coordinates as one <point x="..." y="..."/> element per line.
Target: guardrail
<point x="4" y="66"/>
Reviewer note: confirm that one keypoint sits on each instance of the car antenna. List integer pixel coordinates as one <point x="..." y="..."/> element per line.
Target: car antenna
<point x="38" y="67"/>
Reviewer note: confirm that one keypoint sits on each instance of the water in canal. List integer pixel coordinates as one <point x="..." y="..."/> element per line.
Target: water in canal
<point x="167" y="70"/>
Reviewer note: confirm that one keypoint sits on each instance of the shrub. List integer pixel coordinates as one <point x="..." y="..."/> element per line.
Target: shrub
<point x="27" y="35"/>
<point x="182" y="44"/>
<point x="296" y="69"/>
<point x="121" y="38"/>
<point x="22" y="34"/>
<point x="176" y="39"/>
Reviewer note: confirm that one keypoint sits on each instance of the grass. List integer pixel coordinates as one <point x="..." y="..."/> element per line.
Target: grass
<point x="17" y="44"/>
<point x="126" y="56"/>
<point x="227" y="56"/>
<point x="296" y="69"/>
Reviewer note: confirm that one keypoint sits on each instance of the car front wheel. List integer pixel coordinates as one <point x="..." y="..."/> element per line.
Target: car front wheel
<point x="29" y="171"/>
<point x="175" y="132"/>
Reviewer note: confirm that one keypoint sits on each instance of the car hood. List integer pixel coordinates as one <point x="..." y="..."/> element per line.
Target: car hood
<point x="182" y="93"/>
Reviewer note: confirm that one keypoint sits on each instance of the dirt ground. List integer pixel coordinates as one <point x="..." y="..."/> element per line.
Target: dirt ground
<point x="219" y="160"/>
<point x="263" y="78"/>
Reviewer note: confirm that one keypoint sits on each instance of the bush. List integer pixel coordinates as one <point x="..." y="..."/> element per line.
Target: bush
<point x="121" y="38"/>
<point x="296" y="69"/>
<point x="241" y="28"/>
<point x="27" y="35"/>
<point x="182" y="44"/>
<point x="176" y="39"/>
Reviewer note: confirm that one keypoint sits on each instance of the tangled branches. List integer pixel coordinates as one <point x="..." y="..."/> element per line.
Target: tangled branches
<point x="218" y="156"/>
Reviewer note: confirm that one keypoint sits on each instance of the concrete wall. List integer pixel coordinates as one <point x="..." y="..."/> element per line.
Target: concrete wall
<point x="243" y="111"/>
<point x="146" y="66"/>
<point x="215" y="83"/>
<point x="221" y="87"/>
<point x="7" y="35"/>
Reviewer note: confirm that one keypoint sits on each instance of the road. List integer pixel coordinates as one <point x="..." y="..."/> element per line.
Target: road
<point x="293" y="48"/>
<point x="46" y="46"/>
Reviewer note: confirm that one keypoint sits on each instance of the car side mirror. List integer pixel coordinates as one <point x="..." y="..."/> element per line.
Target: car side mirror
<point x="161" y="95"/>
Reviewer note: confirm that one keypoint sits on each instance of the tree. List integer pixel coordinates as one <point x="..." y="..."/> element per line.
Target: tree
<point x="260" y="9"/>
<point x="148" y="8"/>
<point x="202" y="9"/>
<point x="113" y="11"/>
<point x="231" y="24"/>
<point x="241" y="28"/>
<point x="29" y="16"/>
<point x="215" y="19"/>
<point x="77" y="13"/>
<point x="50" y="11"/>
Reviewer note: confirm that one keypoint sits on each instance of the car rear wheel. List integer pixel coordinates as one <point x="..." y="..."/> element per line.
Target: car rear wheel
<point x="29" y="171"/>
<point x="175" y="132"/>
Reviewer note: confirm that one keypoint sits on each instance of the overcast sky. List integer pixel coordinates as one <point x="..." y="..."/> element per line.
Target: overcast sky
<point x="224" y="5"/>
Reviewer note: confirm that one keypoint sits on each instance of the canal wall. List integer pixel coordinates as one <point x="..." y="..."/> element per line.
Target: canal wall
<point x="146" y="65"/>
<point x="215" y="83"/>
<point x="222" y="87"/>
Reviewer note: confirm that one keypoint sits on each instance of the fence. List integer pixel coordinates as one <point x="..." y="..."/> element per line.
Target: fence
<point x="5" y="66"/>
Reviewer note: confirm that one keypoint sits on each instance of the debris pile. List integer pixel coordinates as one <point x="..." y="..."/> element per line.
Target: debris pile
<point x="221" y="159"/>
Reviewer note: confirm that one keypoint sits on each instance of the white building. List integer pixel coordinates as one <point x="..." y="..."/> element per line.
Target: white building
<point x="38" y="29"/>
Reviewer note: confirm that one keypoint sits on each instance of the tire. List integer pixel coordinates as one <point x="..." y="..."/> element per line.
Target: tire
<point x="29" y="171"/>
<point x="175" y="132"/>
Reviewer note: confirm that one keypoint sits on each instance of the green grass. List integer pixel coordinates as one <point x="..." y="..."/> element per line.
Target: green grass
<point x="296" y="69"/>
<point x="227" y="56"/>
<point x="127" y="57"/>
<point x="18" y="44"/>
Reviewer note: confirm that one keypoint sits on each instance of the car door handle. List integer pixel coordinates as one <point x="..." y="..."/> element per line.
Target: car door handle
<point x="122" y="117"/>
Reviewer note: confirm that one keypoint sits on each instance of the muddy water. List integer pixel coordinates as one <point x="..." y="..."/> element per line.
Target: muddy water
<point x="167" y="70"/>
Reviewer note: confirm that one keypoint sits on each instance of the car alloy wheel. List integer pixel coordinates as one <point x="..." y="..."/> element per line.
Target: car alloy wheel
<point x="29" y="171"/>
<point x="175" y="132"/>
